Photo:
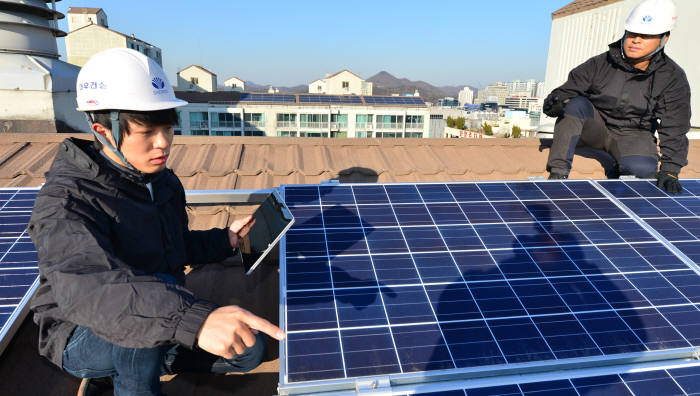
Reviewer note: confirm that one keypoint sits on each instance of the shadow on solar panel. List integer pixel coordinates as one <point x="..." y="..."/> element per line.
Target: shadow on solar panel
<point x="400" y="279"/>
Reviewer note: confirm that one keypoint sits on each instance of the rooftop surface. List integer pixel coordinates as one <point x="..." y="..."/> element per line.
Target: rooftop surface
<point x="224" y="163"/>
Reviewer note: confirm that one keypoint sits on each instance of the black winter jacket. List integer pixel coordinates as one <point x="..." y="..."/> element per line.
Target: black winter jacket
<point x="629" y="99"/>
<point x="100" y="238"/>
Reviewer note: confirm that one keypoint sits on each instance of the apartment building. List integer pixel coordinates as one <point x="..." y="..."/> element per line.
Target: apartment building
<point x="89" y="34"/>
<point x="343" y="82"/>
<point x="196" y="78"/>
<point x="235" y="84"/>
<point x="230" y="113"/>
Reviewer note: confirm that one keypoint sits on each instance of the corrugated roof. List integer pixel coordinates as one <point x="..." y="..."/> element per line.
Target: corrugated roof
<point x="579" y="6"/>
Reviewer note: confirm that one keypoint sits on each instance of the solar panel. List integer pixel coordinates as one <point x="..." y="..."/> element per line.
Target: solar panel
<point x="393" y="279"/>
<point x="394" y="100"/>
<point x="267" y="98"/>
<point x="19" y="272"/>
<point x="683" y="380"/>
<point x="330" y="99"/>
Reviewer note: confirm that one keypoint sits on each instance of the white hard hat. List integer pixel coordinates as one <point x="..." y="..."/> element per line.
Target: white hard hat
<point x="652" y="17"/>
<point x="124" y="79"/>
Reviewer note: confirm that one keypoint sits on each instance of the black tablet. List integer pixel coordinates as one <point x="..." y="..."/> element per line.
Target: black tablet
<point x="272" y="220"/>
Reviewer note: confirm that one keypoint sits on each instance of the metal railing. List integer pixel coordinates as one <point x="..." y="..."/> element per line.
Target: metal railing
<point x="390" y="125"/>
<point x="315" y="125"/>
<point x="199" y="124"/>
<point x="255" y="124"/>
<point x="414" y="125"/>
<point x="364" y="126"/>
<point x="339" y="125"/>
<point x="225" y="124"/>
<point x="286" y="124"/>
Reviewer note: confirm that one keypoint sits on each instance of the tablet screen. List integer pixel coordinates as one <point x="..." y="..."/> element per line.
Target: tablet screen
<point x="272" y="220"/>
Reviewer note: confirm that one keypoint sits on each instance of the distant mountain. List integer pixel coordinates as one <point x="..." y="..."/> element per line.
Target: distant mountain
<point x="384" y="83"/>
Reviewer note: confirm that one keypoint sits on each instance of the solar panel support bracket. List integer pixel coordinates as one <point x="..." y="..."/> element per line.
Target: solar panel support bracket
<point x="373" y="385"/>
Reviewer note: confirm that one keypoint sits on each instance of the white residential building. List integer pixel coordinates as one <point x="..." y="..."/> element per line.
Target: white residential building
<point x="301" y="115"/>
<point x="466" y="96"/>
<point x="583" y="29"/>
<point x="89" y="35"/>
<point x="83" y="16"/>
<point x="235" y="84"/>
<point x="196" y="78"/>
<point x="343" y="82"/>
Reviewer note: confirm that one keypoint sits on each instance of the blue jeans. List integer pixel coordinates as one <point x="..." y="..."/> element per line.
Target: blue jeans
<point x="137" y="371"/>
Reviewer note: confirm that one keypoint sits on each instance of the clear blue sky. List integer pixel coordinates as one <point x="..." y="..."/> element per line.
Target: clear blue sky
<point x="286" y="43"/>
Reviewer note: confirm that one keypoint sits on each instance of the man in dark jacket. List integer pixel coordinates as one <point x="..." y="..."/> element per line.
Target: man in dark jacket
<point x="112" y="236"/>
<point x="617" y="100"/>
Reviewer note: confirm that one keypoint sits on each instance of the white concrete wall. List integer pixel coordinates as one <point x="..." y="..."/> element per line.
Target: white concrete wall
<point x="334" y="85"/>
<point x="82" y="44"/>
<point x="575" y="38"/>
<point x="236" y="83"/>
<point x="206" y="82"/>
<point x="78" y="20"/>
<point x="314" y="87"/>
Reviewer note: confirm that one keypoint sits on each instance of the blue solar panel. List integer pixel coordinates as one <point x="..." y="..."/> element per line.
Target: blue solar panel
<point x="394" y="100"/>
<point x="669" y="381"/>
<point x="330" y="99"/>
<point x="267" y="98"/>
<point x="402" y="278"/>
<point x="19" y="272"/>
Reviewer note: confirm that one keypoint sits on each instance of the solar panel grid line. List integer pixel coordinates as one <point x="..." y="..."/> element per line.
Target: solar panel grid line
<point x="374" y="269"/>
<point x="694" y="266"/>
<point x="425" y="292"/>
<point x="528" y="252"/>
<point x="546" y="278"/>
<point x="623" y="273"/>
<point x="335" y="304"/>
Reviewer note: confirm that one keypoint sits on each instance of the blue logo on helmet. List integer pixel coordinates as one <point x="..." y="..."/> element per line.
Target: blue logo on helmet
<point x="646" y="18"/>
<point x="158" y="83"/>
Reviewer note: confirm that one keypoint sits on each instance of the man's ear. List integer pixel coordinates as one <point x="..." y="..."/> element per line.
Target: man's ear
<point x="104" y="132"/>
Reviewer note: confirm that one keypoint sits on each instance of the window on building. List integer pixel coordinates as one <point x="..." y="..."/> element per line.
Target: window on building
<point x="194" y="80"/>
<point x="363" y="134"/>
<point x="389" y="122"/>
<point x="199" y="132"/>
<point x="314" y="120"/>
<point x="363" y="121"/>
<point x="222" y="133"/>
<point x="199" y="120"/>
<point x="339" y="121"/>
<point x="388" y="134"/>
<point x="314" y="134"/>
<point x="223" y="120"/>
<point x="413" y="134"/>
<point x="436" y="116"/>
<point x="287" y="133"/>
<point x="319" y="88"/>
<point x="256" y="132"/>
<point x="346" y="84"/>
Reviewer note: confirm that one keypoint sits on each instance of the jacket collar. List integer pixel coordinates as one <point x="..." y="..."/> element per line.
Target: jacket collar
<point x="615" y="55"/>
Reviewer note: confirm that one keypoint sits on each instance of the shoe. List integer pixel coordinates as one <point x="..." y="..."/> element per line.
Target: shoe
<point x="96" y="386"/>
<point x="557" y="176"/>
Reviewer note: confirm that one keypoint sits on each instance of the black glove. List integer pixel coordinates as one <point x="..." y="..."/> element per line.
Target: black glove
<point x="668" y="181"/>
<point x="553" y="106"/>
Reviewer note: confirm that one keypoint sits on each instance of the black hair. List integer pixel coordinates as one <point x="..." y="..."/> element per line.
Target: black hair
<point x="157" y="117"/>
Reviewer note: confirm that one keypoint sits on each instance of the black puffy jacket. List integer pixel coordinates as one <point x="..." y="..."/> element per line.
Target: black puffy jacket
<point x="100" y="238"/>
<point x="630" y="99"/>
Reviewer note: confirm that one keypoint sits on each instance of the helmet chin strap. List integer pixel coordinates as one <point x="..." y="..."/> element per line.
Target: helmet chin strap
<point x="116" y="134"/>
<point x="656" y="51"/>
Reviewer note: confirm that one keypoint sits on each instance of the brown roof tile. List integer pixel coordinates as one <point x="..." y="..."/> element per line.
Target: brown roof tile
<point x="579" y="6"/>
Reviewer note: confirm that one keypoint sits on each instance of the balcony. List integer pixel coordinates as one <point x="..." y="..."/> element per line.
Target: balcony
<point x="225" y="124"/>
<point x="339" y="126"/>
<point x="414" y="125"/>
<point x="199" y="124"/>
<point x="390" y="125"/>
<point x="255" y="124"/>
<point x="314" y="125"/>
<point x="364" y="126"/>
<point x="286" y="124"/>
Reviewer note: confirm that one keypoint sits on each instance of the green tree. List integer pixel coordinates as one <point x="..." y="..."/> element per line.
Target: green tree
<point x="488" y="130"/>
<point x="450" y="122"/>
<point x="516" y="132"/>
<point x="460" y="122"/>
